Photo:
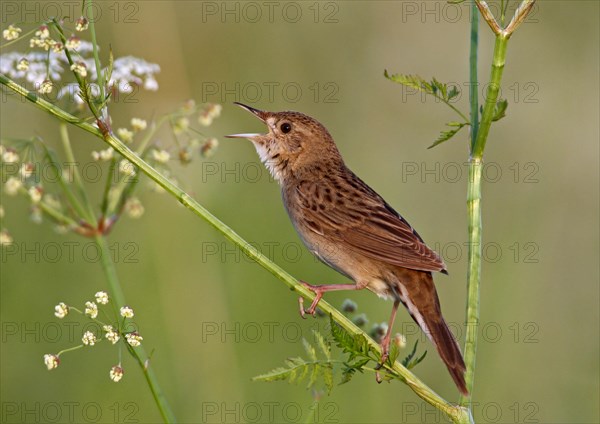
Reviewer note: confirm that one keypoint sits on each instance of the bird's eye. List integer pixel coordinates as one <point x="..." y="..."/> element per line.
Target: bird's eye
<point x="285" y="128"/>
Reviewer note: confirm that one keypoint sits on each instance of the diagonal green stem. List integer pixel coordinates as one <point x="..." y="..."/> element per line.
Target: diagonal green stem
<point x="73" y="200"/>
<point x="455" y="413"/>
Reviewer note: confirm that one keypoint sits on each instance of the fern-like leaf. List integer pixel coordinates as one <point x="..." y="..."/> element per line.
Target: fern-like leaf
<point x="355" y="345"/>
<point x="434" y="87"/>
<point x="446" y="135"/>
<point x="299" y="369"/>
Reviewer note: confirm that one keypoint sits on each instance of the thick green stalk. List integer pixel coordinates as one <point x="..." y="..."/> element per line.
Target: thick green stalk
<point x="138" y="353"/>
<point x="493" y="90"/>
<point x="456" y="413"/>
<point x="473" y="272"/>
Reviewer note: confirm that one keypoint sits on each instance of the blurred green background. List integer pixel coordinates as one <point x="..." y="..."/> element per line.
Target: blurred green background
<point x="213" y="319"/>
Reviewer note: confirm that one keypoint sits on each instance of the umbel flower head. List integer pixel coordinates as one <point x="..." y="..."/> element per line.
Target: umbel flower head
<point x="81" y="24"/>
<point x="111" y="335"/>
<point x="116" y="373"/>
<point x="61" y="310"/>
<point x="102" y="297"/>
<point x="51" y="361"/>
<point x="11" y="33"/>
<point x="126" y="312"/>
<point x="134" y="339"/>
<point x="91" y="309"/>
<point x="89" y="338"/>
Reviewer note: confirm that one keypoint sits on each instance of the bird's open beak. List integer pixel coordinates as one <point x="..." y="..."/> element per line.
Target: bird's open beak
<point x="258" y="113"/>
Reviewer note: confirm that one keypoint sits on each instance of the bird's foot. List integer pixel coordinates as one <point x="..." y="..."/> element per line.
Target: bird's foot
<point x="313" y="306"/>
<point x="385" y="354"/>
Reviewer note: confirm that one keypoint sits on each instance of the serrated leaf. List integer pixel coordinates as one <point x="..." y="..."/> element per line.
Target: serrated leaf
<point x="310" y="350"/>
<point x="347" y="375"/>
<point x="453" y="92"/>
<point x="448" y="134"/>
<point x="328" y="378"/>
<point x="413" y="81"/>
<point x="313" y="377"/>
<point x="438" y="86"/>
<point x="323" y="345"/>
<point x="298" y="369"/>
<point x="434" y="87"/>
<point x="276" y="374"/>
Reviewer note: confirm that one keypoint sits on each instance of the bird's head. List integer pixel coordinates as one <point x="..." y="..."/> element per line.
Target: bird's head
<point x="295" y="143"/>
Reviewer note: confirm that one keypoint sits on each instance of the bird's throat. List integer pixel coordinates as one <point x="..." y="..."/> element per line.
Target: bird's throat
<point x="276" y="163"/>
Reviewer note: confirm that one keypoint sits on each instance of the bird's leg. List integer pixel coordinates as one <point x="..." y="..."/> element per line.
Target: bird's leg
<point x="318" y="291"/>
<point x="385" y="341"/>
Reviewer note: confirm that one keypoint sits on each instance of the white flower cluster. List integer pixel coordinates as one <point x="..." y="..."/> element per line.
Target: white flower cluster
<point x="129" y="71"/>
<point x="43" y="68"/>
<point x="33" y="67"/>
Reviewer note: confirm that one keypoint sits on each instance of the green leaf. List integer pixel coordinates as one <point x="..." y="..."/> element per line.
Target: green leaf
<point x="347" y="375"/>
<point x="453" y="92"/>
<point x="275" y="375"/>
<point x="394" y="352"/>
<point x="446" y="135"/>
<point x="500" y="109"/>
<point x="323" y="345"/>
<point x="410" y="361"/>
<point x="310" y="350"/>
<point x="434" y="87"/>
<point x="299" y="369"/>
<point x="351" y="368"/>
<point x="328" y="377"/>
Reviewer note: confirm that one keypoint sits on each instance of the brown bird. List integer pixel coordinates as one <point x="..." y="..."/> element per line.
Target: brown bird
<point x="351" y="228"/>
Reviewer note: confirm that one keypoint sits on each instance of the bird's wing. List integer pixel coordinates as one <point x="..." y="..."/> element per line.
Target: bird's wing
<point x="350" y="212"/>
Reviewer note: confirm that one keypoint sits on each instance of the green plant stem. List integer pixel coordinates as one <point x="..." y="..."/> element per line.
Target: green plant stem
<point x="66" y="143"/>
<point x="473" y="272"/>
<point x="474" y="212"/>
<point x="92" y="28"/>
<point x="456" y="413"/>
<point x="53" y="213"/>
<point x="473" y="78"/>
<point x="64" y="185"/>
<point x="138" y="353"/>
<point x="493" y="90"/>
<point x="69" y="349"/>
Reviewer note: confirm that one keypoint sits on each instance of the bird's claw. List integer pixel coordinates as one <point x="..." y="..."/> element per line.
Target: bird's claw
<point x="385" y="354"/>
<point x="301" y="305"/>
<point x="312" y="310"/>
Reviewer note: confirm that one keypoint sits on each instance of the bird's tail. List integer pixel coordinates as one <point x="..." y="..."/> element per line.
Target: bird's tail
<point x="422" y="302"/>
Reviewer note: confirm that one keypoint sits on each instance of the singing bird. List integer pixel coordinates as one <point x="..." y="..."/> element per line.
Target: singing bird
<point x="351" y="228"/>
